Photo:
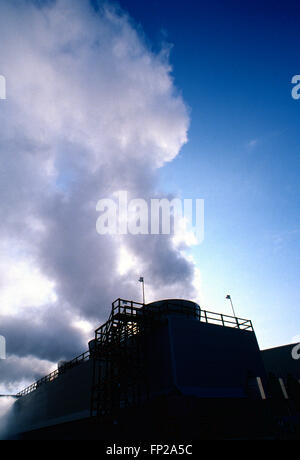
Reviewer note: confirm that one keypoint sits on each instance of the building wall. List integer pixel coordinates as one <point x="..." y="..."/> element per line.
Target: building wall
<point x="202" y="359"/>
<point x="280" y="362"/>
<point x="64" y="399"/>
<point x="184" y="355"/>
<point x="217" y="360"/>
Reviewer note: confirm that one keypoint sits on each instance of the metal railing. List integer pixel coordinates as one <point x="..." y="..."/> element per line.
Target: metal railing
<point x="226" y="320"/>
<point x="135" y="311"/>
<point x="55" y="374"/>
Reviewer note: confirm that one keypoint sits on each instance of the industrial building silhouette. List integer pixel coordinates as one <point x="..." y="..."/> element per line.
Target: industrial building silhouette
<point x="165" y="370"/>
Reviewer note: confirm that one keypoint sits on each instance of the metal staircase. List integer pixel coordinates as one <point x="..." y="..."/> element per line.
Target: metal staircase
<point x="119" y="368"/>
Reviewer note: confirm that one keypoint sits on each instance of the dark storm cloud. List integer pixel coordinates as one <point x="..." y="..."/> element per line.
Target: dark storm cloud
<point x="47" y="334"/>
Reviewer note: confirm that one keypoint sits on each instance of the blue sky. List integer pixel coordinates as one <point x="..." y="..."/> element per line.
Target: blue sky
<point x="233" y="63"/>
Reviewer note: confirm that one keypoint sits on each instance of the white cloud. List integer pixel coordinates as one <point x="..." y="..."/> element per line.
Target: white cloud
<point x="127" y="262"/>
<point x="253" y="143"/>
<point x="90" y="110"/>
<point x="22" y="284"/>
<point x="29" y="367"/>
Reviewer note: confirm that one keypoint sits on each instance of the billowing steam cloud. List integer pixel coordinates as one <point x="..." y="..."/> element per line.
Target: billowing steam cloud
<point x="90" y="110"/>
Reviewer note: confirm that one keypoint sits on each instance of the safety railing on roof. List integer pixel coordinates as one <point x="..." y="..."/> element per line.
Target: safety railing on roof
<point x="55" y="374"/>
<point x="134" y="309"/>
<point x="226" y="320"/>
